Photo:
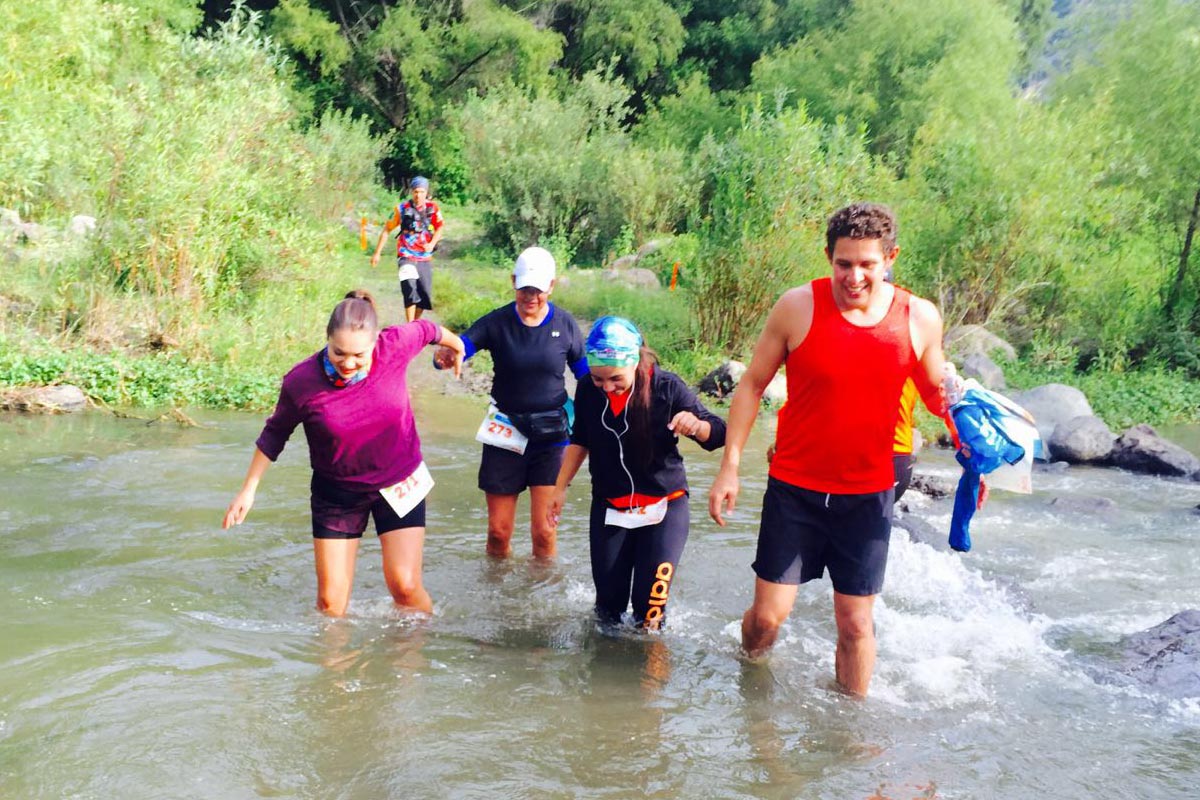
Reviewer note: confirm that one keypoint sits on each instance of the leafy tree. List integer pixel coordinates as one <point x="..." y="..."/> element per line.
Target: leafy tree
<point x="891" y="62"/>
<point x="1143" y="64"/>
<point x="644" y="36"/>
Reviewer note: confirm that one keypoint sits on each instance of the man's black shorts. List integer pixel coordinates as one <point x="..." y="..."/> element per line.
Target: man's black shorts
<point x="802" y="533"/>
<point x="505" y="472"/>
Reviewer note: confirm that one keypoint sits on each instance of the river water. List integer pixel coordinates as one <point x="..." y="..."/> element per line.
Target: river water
<point x="146" y="653"/>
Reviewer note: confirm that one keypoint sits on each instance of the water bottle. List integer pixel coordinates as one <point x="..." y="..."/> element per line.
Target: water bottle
<point x="952" y="384"/>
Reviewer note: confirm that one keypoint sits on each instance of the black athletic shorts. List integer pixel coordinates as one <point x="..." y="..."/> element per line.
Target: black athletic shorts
<point x="902" y="468"/>
<point x="342" y="513"/>
<point x="802" y="533"/>
<point x="505" y="472"/>
<point x="418" y="292"/>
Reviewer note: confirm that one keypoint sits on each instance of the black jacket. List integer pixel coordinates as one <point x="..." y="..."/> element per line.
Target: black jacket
<point x="654" y="462"/>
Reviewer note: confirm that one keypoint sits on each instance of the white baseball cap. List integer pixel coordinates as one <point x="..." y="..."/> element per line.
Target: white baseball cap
<point x="534" y="267"/>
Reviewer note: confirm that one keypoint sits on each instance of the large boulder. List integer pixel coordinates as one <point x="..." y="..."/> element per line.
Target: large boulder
<point x="651" y="247"/>
<point x="637" y="277"/>
<point x="1082" y="440"/>
<point x="776" y="391"/>
<point x="932" y="485"/>
<point x="984" y="370"/>
<point x="624" y="263"/>
<point x="1051" y="404"/>
<point x="1167" y="656"/>
<point x="640" y="278"/>
<point x="1141" y="449"/>
<point x="723" y="380"/>
<point x="10" y="225"/>
<point x="963" y="340"/>
<point x="81" y="226"/>
<point x="45" y="399"/>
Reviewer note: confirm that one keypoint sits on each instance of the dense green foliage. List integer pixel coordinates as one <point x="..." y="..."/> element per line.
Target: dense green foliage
<point x="1044" y="159"/>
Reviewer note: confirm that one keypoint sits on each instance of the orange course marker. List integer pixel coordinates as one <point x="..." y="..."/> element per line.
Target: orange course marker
<point x="362" y="234"/>
<point x="674" y="275"/>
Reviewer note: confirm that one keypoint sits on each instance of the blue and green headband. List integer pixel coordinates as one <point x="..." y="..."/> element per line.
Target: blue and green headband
<point x="613" y="342"/>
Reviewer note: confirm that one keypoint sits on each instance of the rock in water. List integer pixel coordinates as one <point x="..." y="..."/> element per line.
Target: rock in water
<point x="1141" y="449"/>
<point x="1166" y="657"/>
<point x="1082" y="440"/>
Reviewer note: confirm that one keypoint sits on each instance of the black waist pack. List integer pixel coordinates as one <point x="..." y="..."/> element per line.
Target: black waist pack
<point x="542" y="426"/>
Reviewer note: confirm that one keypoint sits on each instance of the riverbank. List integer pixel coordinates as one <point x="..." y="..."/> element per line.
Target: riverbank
<point x="234" y="358"/>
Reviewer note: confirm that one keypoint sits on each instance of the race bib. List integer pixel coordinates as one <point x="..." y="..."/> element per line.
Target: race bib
<point x="637" y="517"/>
<point x="499" y="431"/>
<point x="408" y="271"/>
<point x="404" y="496"/>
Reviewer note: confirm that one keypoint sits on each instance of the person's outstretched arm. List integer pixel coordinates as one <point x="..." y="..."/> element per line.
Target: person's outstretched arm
<point x="244" y="501"/>
<point x="572" y="460"/>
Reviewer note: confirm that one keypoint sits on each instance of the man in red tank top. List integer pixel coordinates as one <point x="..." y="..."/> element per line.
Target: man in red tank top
<point x="850" y="341"/>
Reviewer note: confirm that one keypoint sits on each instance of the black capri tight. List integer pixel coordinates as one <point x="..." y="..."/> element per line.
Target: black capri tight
<point x="636" y="564"/>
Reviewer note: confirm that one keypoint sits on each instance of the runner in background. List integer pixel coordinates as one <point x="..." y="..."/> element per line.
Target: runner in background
<point x="420" y="222"/>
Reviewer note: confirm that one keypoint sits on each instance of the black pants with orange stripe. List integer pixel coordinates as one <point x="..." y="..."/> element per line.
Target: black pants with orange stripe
<point x="636" y="565"/>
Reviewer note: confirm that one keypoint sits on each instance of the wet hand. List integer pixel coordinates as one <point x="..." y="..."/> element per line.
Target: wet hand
<point x="375" y="260"/>
<point x="685" y="423"/>
<point x="722" y="498"/>
<point x="554" y="510"/>
<point x="238" y="509"/>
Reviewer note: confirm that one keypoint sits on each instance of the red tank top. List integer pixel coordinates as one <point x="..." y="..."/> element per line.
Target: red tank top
<point x="835" y="430"/>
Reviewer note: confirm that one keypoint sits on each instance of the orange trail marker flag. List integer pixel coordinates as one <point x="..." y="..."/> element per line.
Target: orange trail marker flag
<point x="674" y="275"/>
<point x="362" y="234"/>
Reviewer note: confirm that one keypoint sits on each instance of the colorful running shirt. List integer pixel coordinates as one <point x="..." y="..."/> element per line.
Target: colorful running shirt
<point x="653" y="461"/>
<point x="529" y="361"/>
<point x="417" y="226"/>
<point x="361" y="437"/>
<point x="836" y="430"/>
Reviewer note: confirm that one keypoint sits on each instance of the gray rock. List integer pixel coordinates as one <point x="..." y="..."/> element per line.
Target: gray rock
<point x="776" y="391"/>
<point x="650" y="247"/>
<point x="962" y="340"/>
<point x="1051" y="404"/>
<point x="1082" y="440"/>
<point x="723" y="380"/>
<point x="81" y="226"/>
<point x="1084" y="504"/>
<point x="984" y="370"/>
<point x="1141" y="449"/>
<point x="921" y="531"/>
<point x="1052" y="467"/>
<point x="10" y="225"/>
<point x="32" y="232"/>
<point x="932" y="486"/>
<point x="45" y="399"/>
<point x="624" y="263"/>
<point x="1166" y="657"/>
<point x="639" y="278"/>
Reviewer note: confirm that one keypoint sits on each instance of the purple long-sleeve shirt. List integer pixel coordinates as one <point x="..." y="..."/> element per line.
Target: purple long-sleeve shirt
<point x="360" y="437"/>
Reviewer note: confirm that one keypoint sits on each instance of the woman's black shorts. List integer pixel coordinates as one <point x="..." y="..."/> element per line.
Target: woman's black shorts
<point x="342" y="513"/>
<point x="505" y="472"/>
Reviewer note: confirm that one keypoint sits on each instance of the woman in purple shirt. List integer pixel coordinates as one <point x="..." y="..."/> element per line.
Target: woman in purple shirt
<point x="352" y="398"/>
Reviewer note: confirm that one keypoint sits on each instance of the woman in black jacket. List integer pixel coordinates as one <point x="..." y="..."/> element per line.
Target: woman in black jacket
<point x="628" y="420"/>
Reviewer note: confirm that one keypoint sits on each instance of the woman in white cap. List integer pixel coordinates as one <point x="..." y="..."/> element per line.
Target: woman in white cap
<point x="524" y="434"/>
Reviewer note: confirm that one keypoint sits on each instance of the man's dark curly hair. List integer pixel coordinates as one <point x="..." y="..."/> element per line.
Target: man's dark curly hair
<point x="862" y="221"/>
